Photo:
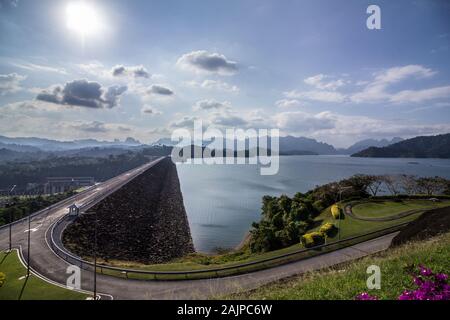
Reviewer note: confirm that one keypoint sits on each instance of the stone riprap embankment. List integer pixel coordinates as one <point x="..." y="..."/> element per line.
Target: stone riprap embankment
<point x="144" y="221"/>
<point x="429" y="224"/>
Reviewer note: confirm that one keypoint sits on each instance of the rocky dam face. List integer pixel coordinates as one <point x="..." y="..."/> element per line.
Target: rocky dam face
<point x="144" y="221"/>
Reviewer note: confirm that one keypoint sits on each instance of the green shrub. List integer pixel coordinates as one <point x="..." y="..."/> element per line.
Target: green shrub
<point x="336" y="211"/>
<point x="284" y="220"/>
<point x="313" y="239"/>
<point x="328" y="229"/>
<point x="319" y="205"/>
<point x="2" y="278"/>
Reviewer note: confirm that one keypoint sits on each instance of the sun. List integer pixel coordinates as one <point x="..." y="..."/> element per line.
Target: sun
<point x="83" y="19"/>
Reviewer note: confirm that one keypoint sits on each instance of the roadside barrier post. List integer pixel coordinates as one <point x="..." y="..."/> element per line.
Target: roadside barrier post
<point x="28" y="251"/>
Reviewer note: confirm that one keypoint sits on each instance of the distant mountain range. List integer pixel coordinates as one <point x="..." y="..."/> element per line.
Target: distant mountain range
<point x="364" y="144"/>
<point x="55" y="145"/>
<point x="418" y="147"/>
<point x="290" y="145"/>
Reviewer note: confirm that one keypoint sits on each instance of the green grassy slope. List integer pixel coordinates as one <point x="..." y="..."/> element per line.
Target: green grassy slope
<point x="348" y="280"/>
<point x="389" y="208"/>
<point x="349" y="227"/>
<point x="18" y="287"/>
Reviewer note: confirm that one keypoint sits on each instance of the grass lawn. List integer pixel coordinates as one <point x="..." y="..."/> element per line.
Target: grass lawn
<point x="33" y="288"/>
<point x="348" y="280"/>
<point x="388" y="208"/>
<point x="351" y="227"/>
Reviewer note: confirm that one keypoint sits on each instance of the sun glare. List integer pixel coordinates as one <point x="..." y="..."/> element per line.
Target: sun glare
<point x="83" y="19"/>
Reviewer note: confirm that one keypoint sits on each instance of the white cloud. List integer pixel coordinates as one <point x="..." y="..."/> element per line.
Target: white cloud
<point x="210" y="104"/>
<point x="131" y="71"/>
<point x="287" y="103"/>
<point x="160" y="90"/>
<point x="214" y="85"/>
<point x="10" y="83"/>
<point x="184" y="122"/>
<point x="376" y="90"/>
<point x="228" y="119"/>
<point x="341" y="130"/>
<point x="39" y="68"/>
<point x="205" y="62"/>
<point x="299" y="121"/>
<point x="317" y="95"/>
<point x="83" y="93"/>
<point x="322" y="82"/>
<point x="397" y="74"/>
<point x="415" y="96"/>
<point x="149" y="110"/>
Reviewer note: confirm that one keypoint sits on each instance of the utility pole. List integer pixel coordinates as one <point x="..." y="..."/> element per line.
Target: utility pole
<point x="95" y="256"/>
<point x="340" y="216"/>
<point x="28" y="251"/>
<point x="10" y="219"/>
<point x="341" y="189"/>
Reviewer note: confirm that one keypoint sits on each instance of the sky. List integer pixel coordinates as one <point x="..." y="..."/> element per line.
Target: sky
<point x="73" y="69"/>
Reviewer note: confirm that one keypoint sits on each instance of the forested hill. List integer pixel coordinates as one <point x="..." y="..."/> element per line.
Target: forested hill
<point x="419" y="147"/>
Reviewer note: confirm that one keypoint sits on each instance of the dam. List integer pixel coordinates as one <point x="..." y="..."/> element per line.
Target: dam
<point x="144" y="221"/>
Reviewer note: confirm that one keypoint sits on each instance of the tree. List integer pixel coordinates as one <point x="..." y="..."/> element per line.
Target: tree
<point x="359" y="183"/>
<point x="392" y="184"/>
<point x="409" y="184"/>
<point x="432" y="185"/>
<point x="374" y="185"/>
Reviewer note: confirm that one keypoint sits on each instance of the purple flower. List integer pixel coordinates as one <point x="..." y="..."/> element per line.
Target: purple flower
<point x="365" y="296"/>
<point x="406" y="295"/>
<point x="429" y="286"/>
<point x="418" y="281"/>
<point x="441" y="277"/>
<point x="425" y="271"/>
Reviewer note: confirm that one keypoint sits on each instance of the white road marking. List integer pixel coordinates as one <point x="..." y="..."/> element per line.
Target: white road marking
<point x="32" y="230"/>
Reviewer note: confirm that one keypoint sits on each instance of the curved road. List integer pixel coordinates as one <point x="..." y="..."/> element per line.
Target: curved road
<point x="47" y="264"/>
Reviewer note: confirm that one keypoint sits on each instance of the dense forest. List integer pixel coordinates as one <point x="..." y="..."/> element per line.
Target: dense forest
<point x="36" y="171"/>
<point x="20" y="207"/>
<point x="419" y="147"/>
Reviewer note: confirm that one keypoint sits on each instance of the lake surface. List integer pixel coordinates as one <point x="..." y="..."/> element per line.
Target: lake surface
<point x="222" y="201"/>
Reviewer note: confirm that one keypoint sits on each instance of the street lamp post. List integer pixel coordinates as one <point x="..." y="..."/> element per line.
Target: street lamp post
<point x="10" y="219"/>
<point x="95" y="256"/>
<point x="340" y="216"/>
<point x="340" y="213"/>
<point x="28" y="251"/>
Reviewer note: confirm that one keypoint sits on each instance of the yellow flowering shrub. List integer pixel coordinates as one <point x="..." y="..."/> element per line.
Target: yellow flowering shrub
<point x="312" y="239"/>
<point x="2" y="278"/>
<point x="327" y="228"/>
<point x="335" y="211"/>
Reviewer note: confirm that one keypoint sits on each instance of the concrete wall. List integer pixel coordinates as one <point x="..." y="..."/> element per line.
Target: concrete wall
<point x="145" y="221"/>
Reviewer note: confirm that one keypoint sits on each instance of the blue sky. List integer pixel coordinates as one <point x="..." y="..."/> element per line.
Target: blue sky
<point x="143" y="68"/>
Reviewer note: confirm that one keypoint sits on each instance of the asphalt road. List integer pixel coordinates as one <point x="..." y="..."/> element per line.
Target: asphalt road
<point x="47" y="264"/>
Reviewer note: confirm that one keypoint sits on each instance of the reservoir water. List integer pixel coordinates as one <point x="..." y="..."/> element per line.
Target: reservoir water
<point x="222" y="201"/>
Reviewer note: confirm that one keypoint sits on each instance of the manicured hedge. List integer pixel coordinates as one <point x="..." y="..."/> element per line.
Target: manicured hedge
<point x="335" y="211"/>
<point x="2" y="278"/>
<point x="327" y="229"/>
<point x="313" y="239"/>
